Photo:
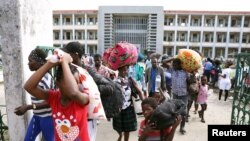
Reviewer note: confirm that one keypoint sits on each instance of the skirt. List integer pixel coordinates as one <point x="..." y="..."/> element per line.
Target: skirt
<point x="126" y="120"/>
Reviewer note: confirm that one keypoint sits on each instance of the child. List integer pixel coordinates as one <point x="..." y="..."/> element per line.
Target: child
<point x="202" y="97"/>
<point x="68" y="103"/>
<point x="146" y="131"/>
<point x="158" y="97"/>
<point x="193" y="90"/>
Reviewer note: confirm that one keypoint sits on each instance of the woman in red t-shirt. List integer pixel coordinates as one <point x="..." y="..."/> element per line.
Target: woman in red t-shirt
<point x="147" y="131"/>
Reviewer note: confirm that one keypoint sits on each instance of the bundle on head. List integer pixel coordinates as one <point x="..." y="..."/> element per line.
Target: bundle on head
<point x="122" y="54"/>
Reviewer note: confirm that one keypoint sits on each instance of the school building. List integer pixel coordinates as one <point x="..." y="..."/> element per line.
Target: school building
<point x="213" y="33"/>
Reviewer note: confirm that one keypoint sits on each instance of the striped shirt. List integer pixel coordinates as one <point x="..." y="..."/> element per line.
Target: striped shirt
<point x="45" y="83"/>
<point x="154" y="135"/>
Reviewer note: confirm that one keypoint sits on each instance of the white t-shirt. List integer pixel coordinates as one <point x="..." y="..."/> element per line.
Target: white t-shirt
<point x="225" y="83"/>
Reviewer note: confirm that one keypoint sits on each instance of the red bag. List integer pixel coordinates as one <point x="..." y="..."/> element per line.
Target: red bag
<point x="212" y="72"/>
<point x="120" y="55"/>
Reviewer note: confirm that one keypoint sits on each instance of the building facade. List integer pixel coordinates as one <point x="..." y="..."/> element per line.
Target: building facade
<point x="213" y="33"/>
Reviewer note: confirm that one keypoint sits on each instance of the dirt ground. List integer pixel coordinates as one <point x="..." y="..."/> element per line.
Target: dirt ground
<point x="218" y="112"/>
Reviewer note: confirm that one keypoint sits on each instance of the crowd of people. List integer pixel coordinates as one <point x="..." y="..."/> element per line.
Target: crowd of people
<point x="60" y="107"/>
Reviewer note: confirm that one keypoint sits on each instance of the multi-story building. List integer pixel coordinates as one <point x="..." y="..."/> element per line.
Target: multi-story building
<point x="213" y="33"/>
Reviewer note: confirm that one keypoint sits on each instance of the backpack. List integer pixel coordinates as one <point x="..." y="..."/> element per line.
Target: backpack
<point x="112" y="95"/>
<point x="165" y="114"/>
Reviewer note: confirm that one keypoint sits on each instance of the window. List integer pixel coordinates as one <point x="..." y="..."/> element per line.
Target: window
<point x="91" y="36"/>
<point x="68" y="21"/>
<point x="182" y="37"/>
<point x="233" y="24"/>
<point x="56" y="21"/>
<point x="206" y="38"/>
<point x="195" y="37"/>
<point x="221" y="22"/>
<point x="183" y="22"/>
<point x="79" y="21"/>
<point x="219" y="52"/>
<point x="246" y="22"/>
<point x="91" y="20"/>
<point x="68" y="36"/>
<point x="56" y="35"/>
<point x="196" y="22"/>
<point x="168" y="50"/>
<point x="170" y="37"/>
<point x="79" y="35"/>
<point x="207" y="22"/>
<point x="171" y="22"/>
<point x="165" y="38"/>
<point x="207" y="52"/>
<point x="221" y="37"/>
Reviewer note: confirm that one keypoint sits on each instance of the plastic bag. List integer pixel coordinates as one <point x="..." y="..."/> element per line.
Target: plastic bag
<point x="137" y="105"/>
<point x="88" y="85"/>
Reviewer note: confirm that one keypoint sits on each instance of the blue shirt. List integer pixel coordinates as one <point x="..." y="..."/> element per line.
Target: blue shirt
<point x="208" y="65"/>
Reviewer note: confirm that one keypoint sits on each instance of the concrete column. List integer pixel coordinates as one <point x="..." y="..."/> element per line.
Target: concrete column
<point x="85" y="33"/>
<point x="188" y="31"/>
<point x="241" y="32"/>
<point x="61" y="30"/>
<point x="23" y="26"/>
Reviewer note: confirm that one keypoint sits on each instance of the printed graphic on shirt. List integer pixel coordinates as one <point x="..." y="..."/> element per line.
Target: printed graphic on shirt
<point x="64" y="127"/>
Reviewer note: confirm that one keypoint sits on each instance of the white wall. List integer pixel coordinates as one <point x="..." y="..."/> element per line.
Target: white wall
<point x="24" y="25"/>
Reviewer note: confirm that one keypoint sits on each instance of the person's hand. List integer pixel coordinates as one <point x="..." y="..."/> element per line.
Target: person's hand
<point x="21" y="110"/>
<point x="149" y="127"/>
<point x="66" y="58"/>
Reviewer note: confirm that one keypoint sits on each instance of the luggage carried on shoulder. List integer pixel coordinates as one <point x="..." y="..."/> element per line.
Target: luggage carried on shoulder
<point x="111" y="93"/>
<point x="165" y="114"/>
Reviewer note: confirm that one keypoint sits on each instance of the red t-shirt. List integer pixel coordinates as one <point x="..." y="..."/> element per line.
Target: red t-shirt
<point x="70" y="121"/>
<point x="154" y="135"/>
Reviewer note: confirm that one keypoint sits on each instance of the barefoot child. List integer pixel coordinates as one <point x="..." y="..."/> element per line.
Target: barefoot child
<point x="147" y="131"/>
<point x="202" y="97"/>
